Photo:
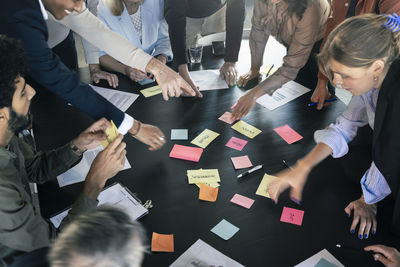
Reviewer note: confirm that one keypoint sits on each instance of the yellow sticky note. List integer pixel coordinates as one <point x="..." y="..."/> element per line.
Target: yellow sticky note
<point x="246" y="129"/>
<point x="203" y="176"/>
<point x="205" y="138"/>
<point x="155" y="90"/>
<point x="215" y="185"/>
<point x="111" y="134"/>
<point x="263" y="187"/>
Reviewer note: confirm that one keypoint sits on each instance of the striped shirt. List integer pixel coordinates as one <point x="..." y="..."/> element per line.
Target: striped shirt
<point x="360" y="112"/>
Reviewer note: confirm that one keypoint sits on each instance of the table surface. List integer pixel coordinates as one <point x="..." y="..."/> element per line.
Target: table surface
<point x="262" y="239"/>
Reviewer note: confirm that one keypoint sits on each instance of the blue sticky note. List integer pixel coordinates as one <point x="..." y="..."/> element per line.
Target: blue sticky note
<point x="225" y="229"/>
<point x="324" y="263"/>
<point x="179" y="134"/>
<point x="145" y="81"/>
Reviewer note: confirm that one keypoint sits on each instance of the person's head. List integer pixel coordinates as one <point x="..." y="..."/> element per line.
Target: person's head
<point x="106" y="237"/>
<point x="358" y="53"/>
<point x="117" y="7"/>
<point x="61" y="8"/>
<point x="15" y="94"/>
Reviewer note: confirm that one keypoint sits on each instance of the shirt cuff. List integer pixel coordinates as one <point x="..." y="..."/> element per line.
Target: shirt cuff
<point x="126" y="124"/>
<point x="332" y="139"/>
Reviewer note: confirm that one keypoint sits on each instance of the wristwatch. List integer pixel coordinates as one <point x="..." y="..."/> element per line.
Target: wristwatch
<point x="75" y="149"/>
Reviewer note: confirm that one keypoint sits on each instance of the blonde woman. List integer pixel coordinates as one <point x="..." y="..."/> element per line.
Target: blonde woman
<point x="142" y="23"/>
<point x="361" y="55"/>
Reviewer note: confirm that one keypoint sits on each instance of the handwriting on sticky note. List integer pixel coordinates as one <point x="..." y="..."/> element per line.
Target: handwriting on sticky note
<point x="111" y="134"/>
<point x="208" y="193"/>
<point x="203" y="176"/>
<point x="205" y="138"/>
<point x="225" y="229"/>
<point x="151" y="91"/>
<point x="186" y="152"/>
<point x="262" y="189"/>
<point x="236" y="143"/>
<point x="162" y="243"/>
<point x="241" y="162"/>
<point x="293" y="216"/>
<point x="242" y="201"/>
<point x="226" y="117"/>
<point x="288" y="134"/>
<point x="246" y="129"/>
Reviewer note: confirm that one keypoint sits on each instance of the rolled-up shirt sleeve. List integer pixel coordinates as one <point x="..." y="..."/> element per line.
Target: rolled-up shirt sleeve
<point x="338" y="135"/>
<point x="374" y="185"/>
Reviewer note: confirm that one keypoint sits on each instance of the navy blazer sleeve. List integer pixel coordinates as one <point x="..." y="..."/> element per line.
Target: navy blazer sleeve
<point x="27" y="24"/>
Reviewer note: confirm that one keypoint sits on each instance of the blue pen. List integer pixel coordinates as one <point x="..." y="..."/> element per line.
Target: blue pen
<point x="326" y="101"/>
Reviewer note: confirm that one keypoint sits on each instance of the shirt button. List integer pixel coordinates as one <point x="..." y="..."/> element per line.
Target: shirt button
<point x="346" y="4"/>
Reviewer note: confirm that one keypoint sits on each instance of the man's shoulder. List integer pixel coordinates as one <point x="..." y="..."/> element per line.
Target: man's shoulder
<point x="19" y="10"/>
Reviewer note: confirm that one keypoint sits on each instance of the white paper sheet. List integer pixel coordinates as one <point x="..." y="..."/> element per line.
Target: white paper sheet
<point x="121" y="100"/>
<point x="312" y="261"/>
<point x="200" y="254"/>
<point x="289" y="91"/>
<point x="78" y="172"/>
<point x="115" y="195"/>
<point x="208" y="80"/>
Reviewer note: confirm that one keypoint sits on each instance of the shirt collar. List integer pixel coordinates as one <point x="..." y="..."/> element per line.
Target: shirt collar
<point x="44" y="13"/>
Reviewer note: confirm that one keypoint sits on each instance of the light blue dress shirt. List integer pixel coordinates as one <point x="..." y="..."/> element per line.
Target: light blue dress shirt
<point x="155" y="38"/>
<point x="360" y="112"/>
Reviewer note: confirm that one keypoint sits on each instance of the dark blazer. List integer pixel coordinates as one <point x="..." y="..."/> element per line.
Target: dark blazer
<point x="23" y="20"/>
<point x="386" y="134"/>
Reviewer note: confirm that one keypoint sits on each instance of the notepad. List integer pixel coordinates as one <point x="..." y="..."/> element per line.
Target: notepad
<point x="288" y="134"/>
<point x="162" y="243"/>
<point x="225" y="229"/>
<point x="115" y="195"/>
<point x="203" y="176"/>
<point x="179" y="134"/>
<point x="262" y="189"/>
<point x="111" y="134"/>
<point x="293" y="216"/>
<point x="205" y="138"/>
<point x="151" y="91"/>
<point x="226" y="117"/>
<point x="236" y="143"/>
<point x="246" y="129"/>
<point x="208" y="193"/>
<point x="241" y="162"/>
<point x="242" y="201"/>
<point x="186" y="153"/>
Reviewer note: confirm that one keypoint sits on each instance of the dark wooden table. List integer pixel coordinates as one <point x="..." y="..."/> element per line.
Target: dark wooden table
<point x="262" y="239"/>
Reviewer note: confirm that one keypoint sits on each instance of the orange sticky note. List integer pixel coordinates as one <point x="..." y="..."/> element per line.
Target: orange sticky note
<point x="162" y="243"/>
<point x="208" y="193"/>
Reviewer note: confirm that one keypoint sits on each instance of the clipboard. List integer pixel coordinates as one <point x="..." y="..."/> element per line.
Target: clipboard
<point x="114" y="195"/>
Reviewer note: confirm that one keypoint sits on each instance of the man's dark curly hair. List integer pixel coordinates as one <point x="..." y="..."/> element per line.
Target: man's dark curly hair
<point x="13" y="63"/>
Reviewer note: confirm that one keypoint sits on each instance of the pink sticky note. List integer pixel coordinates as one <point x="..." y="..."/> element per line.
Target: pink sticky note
<point x="293" y="216"/>
<point x="226" y="117"/>
<point x="241" y="162"/>
<point x="242" y="201"/>
<point x="288" y="134"/>
<point x="236" y="143"/>
<point x="186" y="152"/>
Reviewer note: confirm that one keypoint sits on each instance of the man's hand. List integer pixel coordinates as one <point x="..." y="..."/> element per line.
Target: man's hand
<point x="92" y="136"/>
<point x="134" y="75"/>
<point x="243" y="79"/>
<point x="320" y="94"/>
<point x="184" y="72"/>
<point x="107" y="164"/>
<point x="294" y="178"/>
<point x="388" y="256"/>
<point x="246" y="103"/>
<point x="229" y="73"/>
<point x="97" y="74"/>
<point x="365" y="215"/>
<point x="171" y="83"/>
<point x="148" y="134"/>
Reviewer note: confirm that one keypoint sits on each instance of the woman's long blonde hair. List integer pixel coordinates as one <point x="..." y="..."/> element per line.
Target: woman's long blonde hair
<point x="358" y="42"/>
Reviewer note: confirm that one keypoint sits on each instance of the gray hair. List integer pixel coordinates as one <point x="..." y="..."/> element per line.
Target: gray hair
<point x="106" y="237"/>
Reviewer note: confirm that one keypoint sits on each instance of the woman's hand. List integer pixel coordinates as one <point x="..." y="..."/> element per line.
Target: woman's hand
<point x="363" y="214"/>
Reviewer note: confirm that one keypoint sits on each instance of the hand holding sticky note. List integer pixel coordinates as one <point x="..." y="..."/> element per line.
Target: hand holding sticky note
<point x="111" y="134"/>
